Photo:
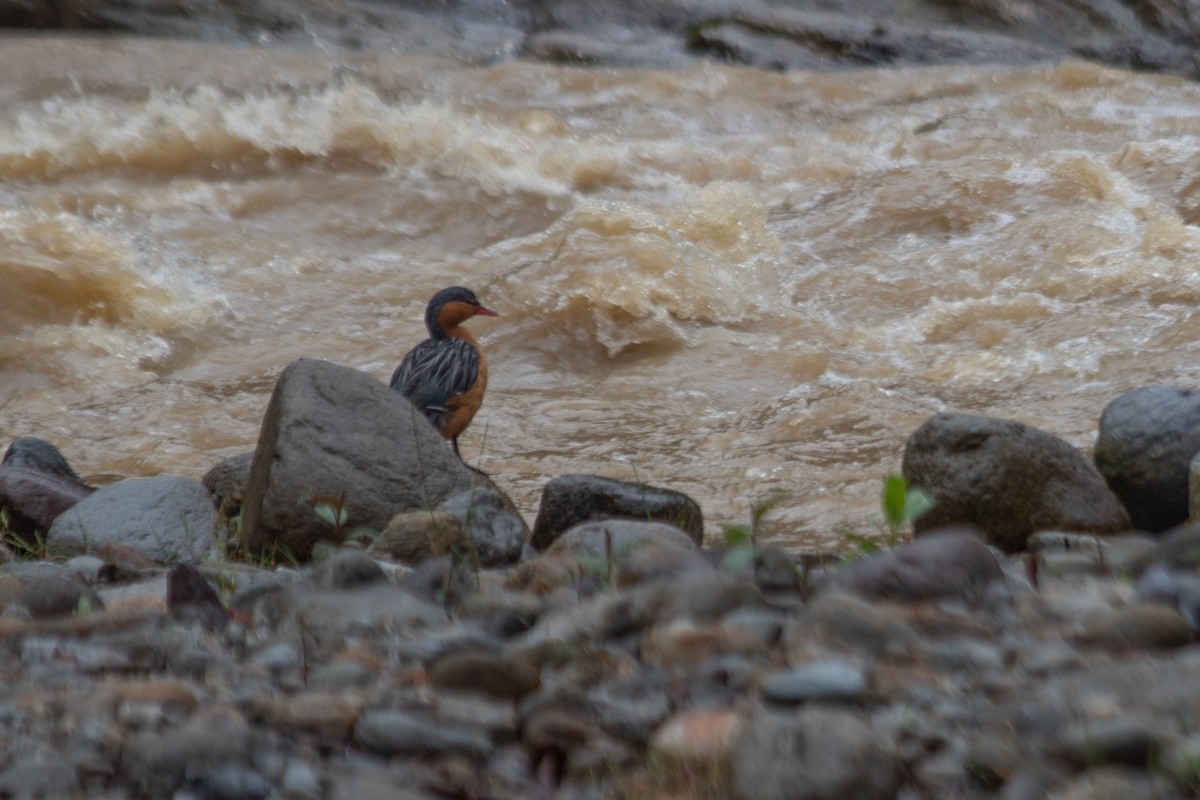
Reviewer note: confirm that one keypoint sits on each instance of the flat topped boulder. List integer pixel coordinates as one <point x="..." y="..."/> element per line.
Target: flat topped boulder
<point x="1008" y="479"/>
<point x="331" y="432"/>
<point x="166" y="518"/>
<point x="572" y="499"/>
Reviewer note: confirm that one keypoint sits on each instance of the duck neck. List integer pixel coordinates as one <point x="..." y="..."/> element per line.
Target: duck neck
<point x="443" y="322"/>
<point x="457" y="332"/>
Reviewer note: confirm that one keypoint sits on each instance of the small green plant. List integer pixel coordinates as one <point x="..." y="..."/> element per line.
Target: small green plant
<point x="33" y="549"/>
<point x="333" y="510"/>
<point x="741" y="540"/>
<point x="901" y="505"/>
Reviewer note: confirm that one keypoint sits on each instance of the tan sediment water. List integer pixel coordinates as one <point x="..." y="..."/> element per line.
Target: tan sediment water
<point x="726" y="281"/>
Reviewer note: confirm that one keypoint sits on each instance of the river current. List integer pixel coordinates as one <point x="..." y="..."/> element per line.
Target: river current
<point x="731" y="282"/>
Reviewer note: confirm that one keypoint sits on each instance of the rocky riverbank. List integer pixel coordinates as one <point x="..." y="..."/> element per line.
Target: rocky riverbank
<point x="617" y="650"/>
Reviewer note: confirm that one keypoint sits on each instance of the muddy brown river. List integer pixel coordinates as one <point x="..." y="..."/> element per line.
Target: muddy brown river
<point x="731" y="282"/>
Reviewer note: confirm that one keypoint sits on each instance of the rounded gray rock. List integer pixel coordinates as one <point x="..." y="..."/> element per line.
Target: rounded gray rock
<point x="166" y="518"/>
<point x="1146" y="442"/>
<point x="331" y="431"/>
<point x="1008" y="479"/>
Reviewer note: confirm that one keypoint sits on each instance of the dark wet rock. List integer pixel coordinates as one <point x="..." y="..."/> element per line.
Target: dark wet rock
<point x="226" y="482"/>
<point x="191" y="598"/>
<point x="622" y="47"/>
<point x="951" y="562"/>
<point x="36" y="486"/>
<point x="495" y="530"/>
<point x="570" y="500"/>
<point x="784" y="38"/>
<point x="1008" y="479"/>
<point x="489" y="673"/>
<point x="402" y="732"/>
<point x="40" y="456"/>
<point x="334" y="432"/>
<point x="347" y="569"/>
<point x="1141" y="625"/>
<point x="165" y="519"/>
<point x="830" y="681"/>
<point x="413" y="536"/>
<point x="813" y="754"/>
<point x="1146" y="442"/>
<point x="32" y="500"/>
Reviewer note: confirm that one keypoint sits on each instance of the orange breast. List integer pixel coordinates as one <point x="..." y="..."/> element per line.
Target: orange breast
<point x="464" y="406"/>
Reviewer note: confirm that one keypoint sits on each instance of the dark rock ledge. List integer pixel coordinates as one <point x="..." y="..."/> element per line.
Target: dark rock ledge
<point x="790" y="34"/>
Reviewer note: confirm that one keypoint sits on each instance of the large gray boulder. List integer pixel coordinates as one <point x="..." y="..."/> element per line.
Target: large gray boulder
<point x="573" y="499"/>
<point x="1008" y="479"/>
<point x="333" y="432"/>
<point x="1147" y="440"/>
<point x="168" y="518"/>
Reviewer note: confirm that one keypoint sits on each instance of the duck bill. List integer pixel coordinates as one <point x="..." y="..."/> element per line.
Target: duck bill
<point x="485" y="312"/>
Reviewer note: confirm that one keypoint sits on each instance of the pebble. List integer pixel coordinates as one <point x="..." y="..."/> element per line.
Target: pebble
<point x="700" y="736"/>
<point x="494" y="674"/>
<point x="834" y="681"/>
<point x="403" y="733"/>
<point x="1142" y="625"/>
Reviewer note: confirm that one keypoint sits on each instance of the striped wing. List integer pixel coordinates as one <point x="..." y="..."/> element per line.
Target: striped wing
<point x="434" y="372"/>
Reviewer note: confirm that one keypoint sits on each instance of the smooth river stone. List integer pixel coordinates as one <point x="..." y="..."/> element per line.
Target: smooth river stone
<point x="822" y="680"/>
